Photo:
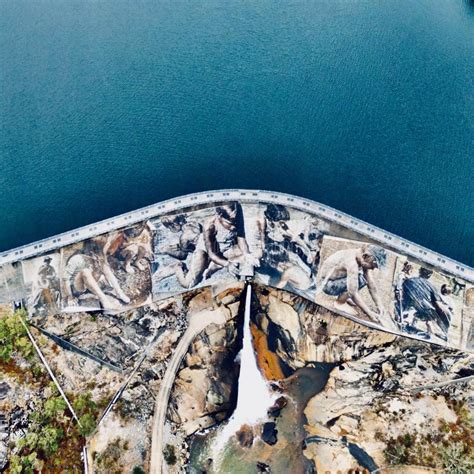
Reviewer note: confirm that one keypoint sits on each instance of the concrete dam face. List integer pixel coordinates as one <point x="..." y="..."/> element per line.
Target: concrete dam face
<point x="139" y="321"/>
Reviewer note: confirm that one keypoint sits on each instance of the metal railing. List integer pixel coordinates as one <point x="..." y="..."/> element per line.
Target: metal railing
<point x="205" y="198"/>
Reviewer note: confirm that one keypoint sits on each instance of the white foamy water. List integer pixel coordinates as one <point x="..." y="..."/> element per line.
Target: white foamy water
<point x="253" y="397"/>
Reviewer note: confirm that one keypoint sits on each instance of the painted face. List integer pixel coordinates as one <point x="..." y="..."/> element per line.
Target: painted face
<point x="446" y="290"/>
<point x="229" y="220"/>
<point x="189" y="237"/>
<point x="407" y="269"/>
<point x="173" y="224"/>
<point x="369" y="262"/>
<point x="278" y="225"/>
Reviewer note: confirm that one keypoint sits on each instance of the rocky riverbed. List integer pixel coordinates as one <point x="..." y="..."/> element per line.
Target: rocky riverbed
<point x="202" y="393"/>
<point x="374" y="393"/>
<point x="346" y="398"/>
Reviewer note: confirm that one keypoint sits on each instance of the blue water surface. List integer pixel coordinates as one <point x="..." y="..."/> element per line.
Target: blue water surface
<point x="364" y="105"/>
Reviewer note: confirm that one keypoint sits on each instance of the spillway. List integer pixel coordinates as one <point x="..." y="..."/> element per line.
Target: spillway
<point x="253" y="397"/>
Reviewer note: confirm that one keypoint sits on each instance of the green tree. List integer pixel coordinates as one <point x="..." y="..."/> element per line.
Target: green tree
<point x="25" y="464"/>
<point x="87" y="411"/>
<point x="84" y="404"/>
<point x="87" y="424"/>
<point x="54" y="408"/>
<point x="13" y="336"/>
<point x="49" y="439"/>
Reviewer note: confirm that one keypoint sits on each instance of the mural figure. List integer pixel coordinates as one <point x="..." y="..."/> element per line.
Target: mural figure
<point x="457" y="286"/>
<point x="87" y="271"/>
<point x="419" y="301"/>
<point x="290" y="248"/>
<point x="4" y="296"/>
<point x="14" y="283"/>
<point x="225" y="241"/>
<point x="109" y="271"/>
<point x="191" y="248"/>
<point x="190" y="262"/>
<point x="277" y="260"/>
<point x="468" y="318"/>
<point x="130" y="248"/>
<point x="41" y="276"/>
<point x="346" y="272"/>
<point x="186" y="239"/>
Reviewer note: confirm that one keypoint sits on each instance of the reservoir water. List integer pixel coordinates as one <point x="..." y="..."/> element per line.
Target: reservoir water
<point x="367" y="106"/>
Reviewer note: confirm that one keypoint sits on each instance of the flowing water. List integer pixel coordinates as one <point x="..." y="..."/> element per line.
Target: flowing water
<point x="220" y="450"/>
<point x="253" y="397"/>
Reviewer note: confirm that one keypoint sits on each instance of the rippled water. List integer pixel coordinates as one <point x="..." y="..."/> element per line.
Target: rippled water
<point x="106" y="106"/>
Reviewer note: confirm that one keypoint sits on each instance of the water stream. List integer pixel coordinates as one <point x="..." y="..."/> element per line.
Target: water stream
<point x="253" y="396"/>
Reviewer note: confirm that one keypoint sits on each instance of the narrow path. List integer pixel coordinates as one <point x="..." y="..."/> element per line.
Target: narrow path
<point x="197" y="322"/>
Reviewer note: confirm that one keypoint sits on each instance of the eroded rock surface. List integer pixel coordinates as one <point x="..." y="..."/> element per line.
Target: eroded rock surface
<point x="347" y="397"/>
<point x="202" y="391"/>
<point x="379" y="391"/>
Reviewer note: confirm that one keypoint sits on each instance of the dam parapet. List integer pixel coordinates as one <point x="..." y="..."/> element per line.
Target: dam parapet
<point x="217" y="238"/>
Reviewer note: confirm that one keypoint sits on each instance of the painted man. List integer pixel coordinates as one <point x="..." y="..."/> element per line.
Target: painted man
<point x="88" y="270"/>
<point x="346" y="272"/>
<point x="424" y="302"/>
<point x="287" y="251"/>
<point x="47" y="287"/>
<point x="191" y="261"/>
<point x="224" y="239"/>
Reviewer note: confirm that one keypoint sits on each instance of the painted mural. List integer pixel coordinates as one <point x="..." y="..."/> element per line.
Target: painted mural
<point x="273" y="244"/>
<point x="108" y="272"/>
<point x="4" y="296"/>
<point x="468" y="319"/>
<point x="355" y="279"/>
<point x="14" y="284"/>
<point x="289" y="248"/>
<point x="200" y="248"/>
<point x="326" y="358"/>
<point x="41" y="276"/>
<point x="427" y="304"/>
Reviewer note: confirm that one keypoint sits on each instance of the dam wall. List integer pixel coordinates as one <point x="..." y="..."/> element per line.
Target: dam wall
<point x="341" y="263"/>
<point x="197" y="199"/>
